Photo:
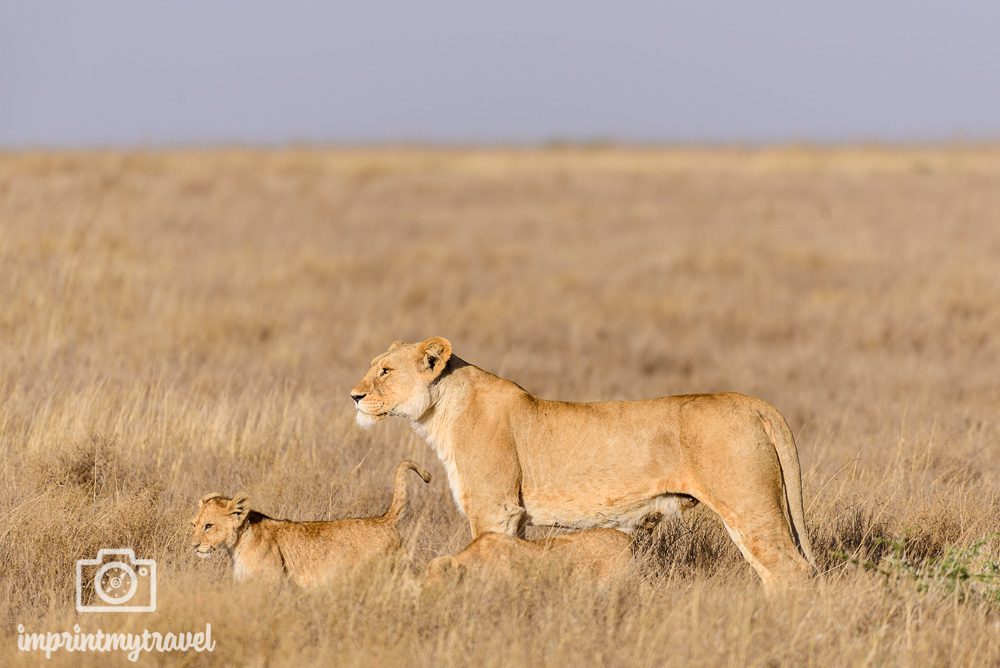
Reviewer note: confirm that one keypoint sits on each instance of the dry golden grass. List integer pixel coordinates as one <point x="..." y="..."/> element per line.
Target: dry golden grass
<point x="182" y="322"/>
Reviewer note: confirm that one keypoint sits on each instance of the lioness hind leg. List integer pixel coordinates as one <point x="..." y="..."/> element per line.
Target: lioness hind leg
<point x="757" y="525"/>
<point x="769" y="549"/>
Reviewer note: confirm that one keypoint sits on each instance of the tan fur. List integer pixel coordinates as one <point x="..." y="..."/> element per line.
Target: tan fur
<point x="601" y="554"/>
<point x="512" y="458"/>
<point x="307" y="553"/>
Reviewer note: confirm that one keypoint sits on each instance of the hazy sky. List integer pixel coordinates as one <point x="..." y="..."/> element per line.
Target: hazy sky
<point x="151" y="73"/>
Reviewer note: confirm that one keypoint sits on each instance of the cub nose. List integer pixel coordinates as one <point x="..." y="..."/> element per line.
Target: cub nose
<point x="358" y="396"/>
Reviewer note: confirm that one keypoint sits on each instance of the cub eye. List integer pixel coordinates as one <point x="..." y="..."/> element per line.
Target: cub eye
<point x="209" y="526"/>
<point x="384" y="372"/>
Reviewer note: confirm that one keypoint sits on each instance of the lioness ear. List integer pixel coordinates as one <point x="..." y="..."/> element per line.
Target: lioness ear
<point x="396" y="344"/>
<point x="437" y="351"/>
<point x="208" y="497"/>
<point x="239" y="506"/>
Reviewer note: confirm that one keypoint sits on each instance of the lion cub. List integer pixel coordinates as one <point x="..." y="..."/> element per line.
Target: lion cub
<point x="599" y="554"/>
<point x="306" y="552"/>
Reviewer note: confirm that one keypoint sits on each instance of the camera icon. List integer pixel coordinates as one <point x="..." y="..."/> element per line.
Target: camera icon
<point x="121" y="582"/>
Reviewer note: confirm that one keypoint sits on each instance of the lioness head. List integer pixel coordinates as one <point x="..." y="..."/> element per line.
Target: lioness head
<point x="218" y="522"/>
<point x="399" y="381"/>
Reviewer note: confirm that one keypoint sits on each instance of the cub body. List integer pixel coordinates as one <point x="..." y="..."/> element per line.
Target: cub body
<point x="307" y="553"/>
<point x="600" y="554"/>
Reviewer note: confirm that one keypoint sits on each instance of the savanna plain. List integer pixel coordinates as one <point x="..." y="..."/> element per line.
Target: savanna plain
<point x="174" y="323"/>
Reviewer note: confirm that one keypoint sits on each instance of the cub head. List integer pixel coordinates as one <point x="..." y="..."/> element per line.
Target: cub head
<point x="218" y="522"/>
<point x="398" y="382"/>
<point x="444" y="569"/>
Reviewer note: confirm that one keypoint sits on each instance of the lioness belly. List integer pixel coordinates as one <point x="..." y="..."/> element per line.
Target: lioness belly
<point x="623" y="514"/>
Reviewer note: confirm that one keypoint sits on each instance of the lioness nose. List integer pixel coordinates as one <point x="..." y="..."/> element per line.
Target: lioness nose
<point x="358" y="396"/>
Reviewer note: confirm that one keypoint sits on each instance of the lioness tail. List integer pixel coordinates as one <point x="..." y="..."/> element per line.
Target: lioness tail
<point x="788" y="458"/>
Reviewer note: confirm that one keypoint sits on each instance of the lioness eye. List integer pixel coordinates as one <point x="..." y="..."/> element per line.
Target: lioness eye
<point x="384" y="372"/>
<point x="208" y="526"/>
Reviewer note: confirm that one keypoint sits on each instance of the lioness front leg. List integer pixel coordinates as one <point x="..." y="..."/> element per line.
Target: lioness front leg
<point x="489" y="516"/>
<point x="491" y="491"/>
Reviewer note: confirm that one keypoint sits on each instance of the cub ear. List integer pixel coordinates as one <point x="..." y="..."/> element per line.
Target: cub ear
<point x="239" y="506"/>
<point x="442" y="566"/>
<point x="436" y="352"/>
<point x="208" y="497"/>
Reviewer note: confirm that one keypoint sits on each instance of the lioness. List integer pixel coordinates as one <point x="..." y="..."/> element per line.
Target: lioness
<point x="305" y="552"/>
<point x="512" y="458"/>
<point x="598" y="553"/>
